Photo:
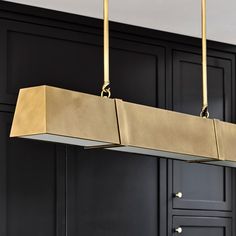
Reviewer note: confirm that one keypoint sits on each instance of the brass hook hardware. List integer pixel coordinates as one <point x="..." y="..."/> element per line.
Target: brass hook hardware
<point x="204" y="113"/>
<point x="106" y="91"/>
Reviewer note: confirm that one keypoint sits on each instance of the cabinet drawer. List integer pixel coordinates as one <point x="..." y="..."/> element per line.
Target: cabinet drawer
<point x="203" y="187"/>
<point x="204" y="226"/>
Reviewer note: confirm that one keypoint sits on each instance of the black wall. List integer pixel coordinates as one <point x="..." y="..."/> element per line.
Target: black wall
<point x="48" y="189"/>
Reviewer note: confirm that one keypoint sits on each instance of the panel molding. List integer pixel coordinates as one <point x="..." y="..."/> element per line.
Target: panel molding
<point x="203" y="222"/>
<point x="201" y="204"/>
<point x="78" y="38"/>
<point x="3" y="174"/>
<point x="159" y="46"/>
<point x="60" y="191"/>
<point x="224" y="64"/>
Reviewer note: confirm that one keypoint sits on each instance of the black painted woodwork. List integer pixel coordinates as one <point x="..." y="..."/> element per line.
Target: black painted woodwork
<point x="204" y="226"/>
<point x="27" y="189"/>
<point x="52" y="189"/>
<point x="195" y="181"/>
<point x="187" y="87"/>
<point x="111" y="194"/>
<point x="67" y="58"/>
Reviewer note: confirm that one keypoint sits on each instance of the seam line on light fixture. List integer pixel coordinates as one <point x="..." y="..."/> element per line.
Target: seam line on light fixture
<point x="117" y="120"/>
<point x="46" y="107"/>
<point x="217" y="139"/>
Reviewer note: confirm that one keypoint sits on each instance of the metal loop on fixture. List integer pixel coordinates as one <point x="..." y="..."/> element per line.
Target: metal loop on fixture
<point x="204" y="113"/>
<point x="106" y="91"/>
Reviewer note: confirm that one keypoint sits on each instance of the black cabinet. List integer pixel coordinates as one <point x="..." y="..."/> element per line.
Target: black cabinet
<point x="27" y="185"/>
<point x="48" y="189"/>
<point x="206" y="191"/>
<point x="187" y="84"/>
<point x="204" y="226"/>
<point x="203" y="187"/>
<point x="34" y="55"/>
<point x="111" y="193"/>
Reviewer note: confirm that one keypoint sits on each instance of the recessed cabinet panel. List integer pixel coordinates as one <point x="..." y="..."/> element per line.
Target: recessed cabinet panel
<point x="27" y="185"/>
<point x="111" y="194"/>
<point x="187" y="85"/>
<point x="36" y="55"/>
<point x="203" y="187"/>
<point x="204" y="226"/>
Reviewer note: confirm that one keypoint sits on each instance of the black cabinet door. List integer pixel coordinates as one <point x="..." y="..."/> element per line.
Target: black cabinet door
<point x="34" y="55"/>
<point x="204" y="187"/>
<point x="187" y="84"/>
<point x="204" y="226"/>
<point x="27" y="185"/>
<point x="111" y="193"/>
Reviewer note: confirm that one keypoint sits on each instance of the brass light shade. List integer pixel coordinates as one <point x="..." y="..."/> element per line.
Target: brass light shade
<point x="63" y="116"/>
<point x="226" y="142"/>
<point x="58" y="115"/>
<point x="151" y="131"/>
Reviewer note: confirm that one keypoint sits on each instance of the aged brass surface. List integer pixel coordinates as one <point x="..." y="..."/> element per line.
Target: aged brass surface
<point x="59" y="115"/>
<point x="64" y="113"/>
<point x="145" y="130"/>
<point x="30" y="113"/>
<point x="226" y="141"/>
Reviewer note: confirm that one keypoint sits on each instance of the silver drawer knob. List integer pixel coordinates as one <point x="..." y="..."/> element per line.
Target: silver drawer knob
<point x="179" y="230"/>
<point x="179" y="195"/>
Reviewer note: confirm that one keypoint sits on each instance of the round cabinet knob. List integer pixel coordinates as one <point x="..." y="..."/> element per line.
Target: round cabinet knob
<point x="179" y="230"/>
<point x="179" y="195"/>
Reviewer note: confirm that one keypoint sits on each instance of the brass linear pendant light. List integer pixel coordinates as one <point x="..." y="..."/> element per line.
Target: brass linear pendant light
<point x="58" y="115"/>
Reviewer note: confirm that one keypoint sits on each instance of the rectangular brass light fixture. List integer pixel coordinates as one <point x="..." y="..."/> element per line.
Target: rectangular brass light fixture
<point x="63" y="116"/>
<point x="58" y="115"/>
